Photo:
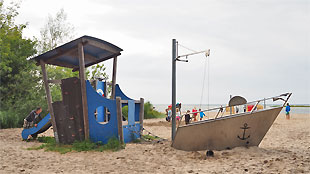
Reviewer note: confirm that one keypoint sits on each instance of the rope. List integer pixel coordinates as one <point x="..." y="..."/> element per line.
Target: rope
<point x="208" y="86"/>
<point x="186" y="48"/>
<point x="203" y="82"/>
<point x="150" y="133"/>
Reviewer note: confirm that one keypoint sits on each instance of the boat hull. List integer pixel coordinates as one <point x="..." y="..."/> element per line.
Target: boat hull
<point x="245" y="129"/>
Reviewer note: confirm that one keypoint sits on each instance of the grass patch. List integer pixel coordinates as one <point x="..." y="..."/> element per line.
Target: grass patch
<point x="149" y="137"/>
<point x="49" y="144"/>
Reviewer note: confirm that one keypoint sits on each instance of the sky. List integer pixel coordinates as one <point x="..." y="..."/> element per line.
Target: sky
<point x="258" y="48"/>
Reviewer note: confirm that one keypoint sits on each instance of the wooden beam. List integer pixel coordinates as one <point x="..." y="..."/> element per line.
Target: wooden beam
<point x="87" y="56"/>
<point x="54" y="81"/>
<point x="90" y="57"/>
<point x="49" y="100"/>
<point x="61" y="64"/>
<point x="60" y="52"/>
<point x="98" y="61"/>
<point x="126" y="101"/>
<point x="105" y="91"/>
<point x="119" y="119"/>
<point x="114" y="77"/>
<point x="100" y="45"/>
<point x="83" y="89"/>
<point x="141" y="115"/>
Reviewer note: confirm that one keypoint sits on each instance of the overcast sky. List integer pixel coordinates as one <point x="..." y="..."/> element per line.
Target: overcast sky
<point x="258" y="48"/>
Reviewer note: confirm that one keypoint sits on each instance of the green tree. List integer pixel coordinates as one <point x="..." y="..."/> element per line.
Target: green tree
<point x="56" y="31"/>
<point x="19" y="88"/>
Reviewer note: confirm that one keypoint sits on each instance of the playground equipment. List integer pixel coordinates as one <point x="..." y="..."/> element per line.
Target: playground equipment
<point x="240" y="129"/>
<point x="226" y="132"/>
<point x="42" y="126"/>
<point x="74" y="118"/>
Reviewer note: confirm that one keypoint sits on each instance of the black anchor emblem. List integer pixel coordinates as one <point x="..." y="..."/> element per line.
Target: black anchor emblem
<point x="245" y="127"/>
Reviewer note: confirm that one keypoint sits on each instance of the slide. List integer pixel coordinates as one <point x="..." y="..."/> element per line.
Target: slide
<point x="43" y="125"/>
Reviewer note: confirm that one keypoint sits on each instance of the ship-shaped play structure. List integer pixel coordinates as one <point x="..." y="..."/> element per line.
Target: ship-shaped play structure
<point x="87" y="111"/>
<point x="247" y="128"/>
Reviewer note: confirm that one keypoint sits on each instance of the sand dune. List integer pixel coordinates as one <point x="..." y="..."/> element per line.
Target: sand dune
<point x="285" y="149"/>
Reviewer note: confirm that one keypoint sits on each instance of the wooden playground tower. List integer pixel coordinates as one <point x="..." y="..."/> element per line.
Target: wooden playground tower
<point x="79" y="54"/>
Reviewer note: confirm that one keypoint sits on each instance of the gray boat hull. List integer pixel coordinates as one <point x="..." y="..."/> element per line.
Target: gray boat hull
<point x="245" y="129"/>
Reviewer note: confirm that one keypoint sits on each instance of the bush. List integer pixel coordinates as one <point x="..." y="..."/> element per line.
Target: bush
<point x="149" y="112"/>
<point x="10" y="120"/>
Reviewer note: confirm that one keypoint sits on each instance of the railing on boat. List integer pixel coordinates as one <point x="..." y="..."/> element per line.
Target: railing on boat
<point x="221" y="110"/>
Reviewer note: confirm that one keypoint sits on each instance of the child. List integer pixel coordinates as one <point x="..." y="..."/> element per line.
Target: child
<point x="169" y="113"/>
<point x="194" y="114"/>
<point x="178" y="114"/>
<point x="32" y="119"/>
<point x="287" y="110"/>
<point x="187" y="117"/>
<point x="201" y="114"/>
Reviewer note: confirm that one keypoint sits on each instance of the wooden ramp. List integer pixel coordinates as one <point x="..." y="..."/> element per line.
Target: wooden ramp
<point x="244" y="129"/>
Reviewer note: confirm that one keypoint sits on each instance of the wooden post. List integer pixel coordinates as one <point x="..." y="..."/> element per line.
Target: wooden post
<point x="141" y="115"/>
<point x="114" y="77"/>
<point x="105" y="91"/>
<point x="83" y="89"/>
<point x="49" y="100"/>
<point x="119" y="119"/>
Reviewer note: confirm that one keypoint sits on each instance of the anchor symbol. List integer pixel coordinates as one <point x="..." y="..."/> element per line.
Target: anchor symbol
<point x="244" y="129"/>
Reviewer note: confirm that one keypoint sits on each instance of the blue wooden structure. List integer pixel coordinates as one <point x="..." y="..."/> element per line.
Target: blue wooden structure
<point x="103" y="131"/>
<point x="79" y="54"/>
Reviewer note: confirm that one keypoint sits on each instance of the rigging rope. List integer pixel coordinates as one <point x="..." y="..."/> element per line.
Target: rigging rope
<point x="186" y="48"/>
<point x="203" y="82"/>
<point x="207" y="61"/>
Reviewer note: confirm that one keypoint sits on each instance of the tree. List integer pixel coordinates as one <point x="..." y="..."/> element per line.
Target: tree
<point x="19" y="89"/>
<point x="55" y="32"/>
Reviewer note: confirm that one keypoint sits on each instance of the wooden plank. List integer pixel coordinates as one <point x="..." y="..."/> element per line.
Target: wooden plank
<point x="49" y="100"/>
<point x="101" y="46"/>
<point x="60" y="52"/>
<point x="119" y="119"/>
<point x="72" y="99"/>
<point x="54" y="81"/>
<point x="61" y="64"/>
<point x="105" y="90"/>
<point x="126" y="101"/>
<point x="86" y="56"/>
<point x="141" y="114"/>
<point x="98" y="61"/>
<point x="114" y="77"/>
<point x="83" y="89"/>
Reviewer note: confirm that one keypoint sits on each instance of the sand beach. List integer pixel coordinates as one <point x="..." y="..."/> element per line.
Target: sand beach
<point x="285" y="149"/>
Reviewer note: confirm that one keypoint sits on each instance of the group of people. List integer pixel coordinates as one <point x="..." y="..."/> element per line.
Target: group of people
<point x="188" y="117"/>
<point x="188" y="114"/>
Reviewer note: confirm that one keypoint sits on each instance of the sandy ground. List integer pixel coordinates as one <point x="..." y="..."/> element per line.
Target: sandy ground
<point x="285" y="149"/>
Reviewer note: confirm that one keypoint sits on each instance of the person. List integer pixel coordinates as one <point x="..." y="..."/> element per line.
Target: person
<point x="287" y="110"/>
<point x="187" y="117"/>
<point x="169" y="113"/>
<point x="195" y="113"/>
<point x="178" y="114"/>
<point x="201" y="114"/>
<point x="32" y="118"/>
